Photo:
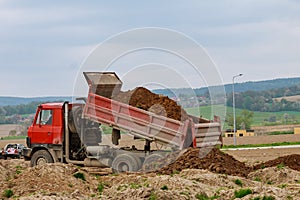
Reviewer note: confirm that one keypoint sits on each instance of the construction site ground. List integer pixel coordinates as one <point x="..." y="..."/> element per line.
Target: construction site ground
<point x="215" y="175"/>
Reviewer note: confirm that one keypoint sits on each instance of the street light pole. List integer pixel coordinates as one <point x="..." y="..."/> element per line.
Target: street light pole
<point x="233" y="106"/>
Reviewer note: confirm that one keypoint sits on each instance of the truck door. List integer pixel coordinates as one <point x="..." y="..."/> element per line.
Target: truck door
<point x="42" y="129"/>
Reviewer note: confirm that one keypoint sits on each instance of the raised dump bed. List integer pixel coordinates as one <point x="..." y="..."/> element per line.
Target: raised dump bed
<point x="196" y="132"/>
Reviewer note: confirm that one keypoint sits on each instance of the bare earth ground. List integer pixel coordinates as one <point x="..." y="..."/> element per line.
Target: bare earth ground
<point x="4" y="142"/>
<point x="5" y="128"/>
<point x="57" y="181"/>
<point x="267" y="139"/>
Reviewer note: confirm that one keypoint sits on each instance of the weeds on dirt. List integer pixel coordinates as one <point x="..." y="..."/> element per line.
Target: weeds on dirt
<point x="100" y="188"/>
<point x="264" y="198"/>
<point x="153" y="196"/>
<point x="280" y="166"/>
<point x="282" y="186"/>
<point x="204" y="196"/>
<point x="269" y="182"/>
<point x="80" y="175"/>
<point x="122" y="187"/>
<point x="242" y="192"/>
<point x="134" y="185"/>
<point x="185" y="194"/>
<point x="238" y="182"/>
<point x="257" y="179"/>
<point x="174" y="172"/>
<point x="8" y="193"/>
<point x="164" y="187"/>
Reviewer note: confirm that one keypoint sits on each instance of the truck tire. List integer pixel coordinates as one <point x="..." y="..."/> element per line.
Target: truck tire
<point x="153" y="162"/>
<point x="41" y="157"/>
<point x="75" y="119"/>
<point x="126" y="162"/>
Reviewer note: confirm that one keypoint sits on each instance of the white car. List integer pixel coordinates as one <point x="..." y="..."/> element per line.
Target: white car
<point x="12" y="151"/>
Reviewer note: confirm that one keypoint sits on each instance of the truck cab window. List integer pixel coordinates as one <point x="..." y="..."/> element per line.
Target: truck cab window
<point x="44" y="117"/>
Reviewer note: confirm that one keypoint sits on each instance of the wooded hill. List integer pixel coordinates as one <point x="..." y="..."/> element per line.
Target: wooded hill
<point x="239" y="87"/>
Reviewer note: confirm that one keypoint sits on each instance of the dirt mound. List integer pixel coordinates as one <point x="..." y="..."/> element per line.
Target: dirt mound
<point x="144" y="99"/>
<point x="292" y="161"/>
<point x="214" y="161"/>
<point x="51" y="179"/>
<point x="275" y="175"/>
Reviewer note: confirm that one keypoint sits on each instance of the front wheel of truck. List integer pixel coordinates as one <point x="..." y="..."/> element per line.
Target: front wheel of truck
<point x="41" y="157"/>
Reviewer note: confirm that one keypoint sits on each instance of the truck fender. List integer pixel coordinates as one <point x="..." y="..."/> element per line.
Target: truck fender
<point x="51" y="151"/>
<point x="53" y="154"/>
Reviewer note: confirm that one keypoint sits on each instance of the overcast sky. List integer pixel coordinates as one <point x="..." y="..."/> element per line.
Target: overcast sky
<point x="43" y="44"/>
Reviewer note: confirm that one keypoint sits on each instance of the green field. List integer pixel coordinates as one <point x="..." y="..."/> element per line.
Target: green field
<point x="258" y="118"/>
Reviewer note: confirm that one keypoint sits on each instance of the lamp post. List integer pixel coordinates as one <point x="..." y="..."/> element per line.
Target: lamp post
<point x="233" y="106"/>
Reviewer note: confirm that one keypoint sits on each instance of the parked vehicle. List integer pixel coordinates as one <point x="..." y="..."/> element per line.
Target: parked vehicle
<point x="12" y="151"/>
<point x="74" y="136"/>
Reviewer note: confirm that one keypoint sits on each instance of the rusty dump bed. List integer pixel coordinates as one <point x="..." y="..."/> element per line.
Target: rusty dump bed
<point x="144" y="124"/>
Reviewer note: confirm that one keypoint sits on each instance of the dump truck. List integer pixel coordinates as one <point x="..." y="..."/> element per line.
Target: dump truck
<point x="71" y="132"/>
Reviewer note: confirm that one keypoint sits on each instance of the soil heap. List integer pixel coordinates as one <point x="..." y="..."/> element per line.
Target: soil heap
<point x="144" y="99"/>
<point x="214" y="161"/>
<point x="292" y="161"/>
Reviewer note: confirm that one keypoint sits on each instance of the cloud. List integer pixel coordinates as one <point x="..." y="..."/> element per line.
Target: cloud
<point x="254" y="36"/>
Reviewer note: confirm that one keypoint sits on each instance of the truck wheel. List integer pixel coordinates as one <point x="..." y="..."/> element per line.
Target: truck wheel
<point x="75" y="119"/>
<point x="153" y="162"/>
<point x="126" y="162"/>
<point x="41" y="157"/>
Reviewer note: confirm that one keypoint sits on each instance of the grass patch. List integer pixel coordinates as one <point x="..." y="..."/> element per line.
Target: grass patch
<point x="164" y="187"/>
<point x="261" y="145"/>
<point x="238" y="182"/>
<point x="257" y="179"/>
<point x="8" y="193"/>
<point x="80" y="175"/>
<point x="282" y="186"/>
<point x="100" y="188"/>
<point x="185" y="194"/>
<point x="153" y="196"/>
<point x="242" y="192"/>
<point x="281" y="133"/>
<point x="280" y="166"/>
<point x="202" y="196"/>
<point x="269" y="182"/>
<point x="134" y="185"/>
<point x="13" y="137"/>
<point x="259" y="118"/>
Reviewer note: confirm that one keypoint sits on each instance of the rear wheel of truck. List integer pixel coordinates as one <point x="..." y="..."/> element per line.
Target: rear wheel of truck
<point x="153" y="162"/>
<point x="41" y="157"/>
<point x="126" y="162"/>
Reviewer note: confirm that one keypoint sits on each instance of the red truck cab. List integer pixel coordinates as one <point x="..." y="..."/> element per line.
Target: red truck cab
<point x="47" y="127"/>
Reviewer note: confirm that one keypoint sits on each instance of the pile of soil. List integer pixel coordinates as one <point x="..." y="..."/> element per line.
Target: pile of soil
<point x="52" y="179"/>
<point x="144" y="99"/>
<point x="292" y="161"/>
<point x="214" y="161"/>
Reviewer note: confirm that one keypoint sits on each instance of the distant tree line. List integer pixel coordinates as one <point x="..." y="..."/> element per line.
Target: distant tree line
<point x="13" y="114"/>
<point x="264" y="100"/>
<point x="21" y="109"/>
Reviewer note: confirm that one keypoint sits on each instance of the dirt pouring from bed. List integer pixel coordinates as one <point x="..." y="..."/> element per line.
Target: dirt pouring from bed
<point x="194" y="175"/>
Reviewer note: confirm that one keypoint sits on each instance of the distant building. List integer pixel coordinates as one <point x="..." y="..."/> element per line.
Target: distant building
<point x="239" y="133"/>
